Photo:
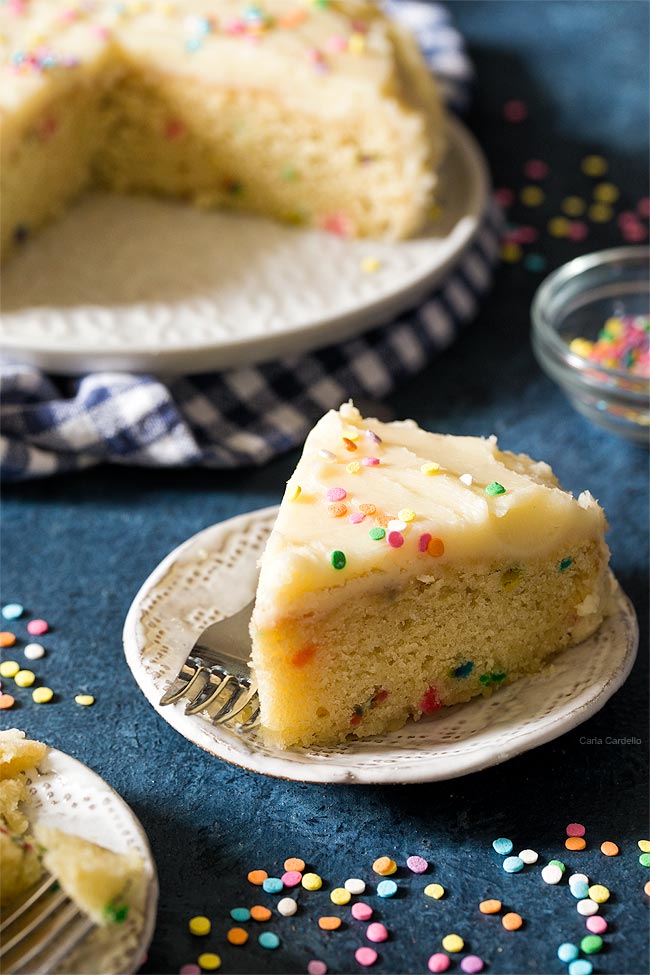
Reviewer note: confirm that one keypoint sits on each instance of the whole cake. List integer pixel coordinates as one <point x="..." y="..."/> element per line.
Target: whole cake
<point x="409" y="570"/>
<point x="320" y="112"/>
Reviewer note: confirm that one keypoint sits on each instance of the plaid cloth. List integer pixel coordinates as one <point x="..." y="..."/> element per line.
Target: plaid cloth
<point x="247" y="415"/>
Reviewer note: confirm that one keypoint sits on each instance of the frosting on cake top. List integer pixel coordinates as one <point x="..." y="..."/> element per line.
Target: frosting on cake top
<point x="295" y="48"/>
<point x="372" y="503"/>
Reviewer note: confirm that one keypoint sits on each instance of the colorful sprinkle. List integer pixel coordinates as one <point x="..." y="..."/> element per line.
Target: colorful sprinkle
<point x="532" y="196"/>
<point x="386" y="888"/>
<point x="370" y="264"/>
<point x="260" y="913"/>
<point x="490" y="907"/>
<point x="7" y="639"/>
<point x="430" y="468"/>
<point x="37" y="627"/>
<point x="294" y="863"/>
<point x="644" y="859"/>
<point x="85" y="700"/>
<point x="287" y="907"/>
<point x="594" y="166"/>
<point x="377" y="932"/>
<point x="513" y="864"/>
<point x="370" y="461"/>
<point x="377" y="534"/>
<point x="9" y="668"/>
<point x="12" y="611"/>
<point x="34" y="651"/>
<point x="336" y="494"/>
<point x="25" y="678"/>
<point x="209" y="961"/>
<point x="438" y="962"/>
<point x="575" y="829"/>
<point x="435" y="547"/>
<point x="573" y="206"/>
<point x="417" y="864"/>
<point x="472" y="964"/>
<point x="337" y="509"/>
<point x="240" y="914"/>
<point x="361" y="911"/>
<point x="596" y="924"/>
<point x="644" y="846"/>
<point x="609" y="849"/>
<point x="326" y="455"/>
<point x="384" y="866"/>
<point x="316" y="967"/>
<point x="294" y="492"/>
<point x="558" y="863"/>
<point x="453" y="943"/>
<point x="353" y="467"/>
<point x="6" y="701"/>
<point x="575" y="843"/>
<point x="536" y="169"/>
<point x="466" y="479"/>
<point x="272" y="885"/>
<point x="355" y="886"/>
<point x="598" y="893"/>
<point x="512" y="921"/>
<point x="558" y="227"/>
<point x="268" y="939"/>
<point x="551" y="874"/>
<point x="435" y="891"/>
<point x="591" y="944"/>
<point x="340" y="896"/>
<point x="579" y="889"/>
<point x="338" y="559"/>
<point x="567" y="952"/>
<point x="366" y="956"/>
<point x="311" y="881"/>
<point x="395" y="539"/>
<point x="291" y="878"/>
<point x="529" y="856"/>
<point x="502" y="845"/>
<point x="515" y="110"/>
<point x="581" y="966"/>
<point x="257" y="877"/>
<point x="494" y="489"/>
<point x="587" y="907"/>
<point x="329" y="923"/>
<point x="237" y="936"/>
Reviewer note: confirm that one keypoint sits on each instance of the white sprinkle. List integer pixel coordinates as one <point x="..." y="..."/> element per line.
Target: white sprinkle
<point x="34" y="651"/>
<point x="529" y="856"/>
<point x="396" y="525"/>
<point x="326" y="455"/>
<point x="355" y="886"/>
<point x="551" y="874"/>
<point x="587" y="907"/>
<point x="468" y="480"/>
<point x="287" y="907"/>
<point x="577" y="878"/>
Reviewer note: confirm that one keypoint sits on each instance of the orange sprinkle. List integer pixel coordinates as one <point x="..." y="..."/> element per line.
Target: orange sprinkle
<point x="299" y="659"/>
<point x="436" y="547"/>
<point x="329" y="923"/>
<point x="349" y="444"/>
<point x="257" y="877"/>
<point x="337" y="509"/>
<point x="237" y="936"/>
<point x="646" y="889"/>
<point x="260" y="913"/>
<point x="575" y="843"/>
<point x="490" y="907"/>
<point x="382" y="519"/>
<point x="367" y="509"/>
<point x="294" y="863"/>
<point x="6" y="701"/>
<point x="292" y="18"/>
<point x="7" y="639"/>
<point x="511" y="921"/>
<point x="384" y="866"/>
<point x="609" y="849"/>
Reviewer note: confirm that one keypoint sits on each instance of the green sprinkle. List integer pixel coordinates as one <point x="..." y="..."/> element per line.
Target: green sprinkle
<point x="644" y="859"/>
<point x="591" y="944"/>
<point x="497" y="678"/>
<point x="116" y="912"/>
<point x="491" y="678"/>
<point x="564" y="564"/>
<point x="485" y="679"/>
<point x="495" y="488"/>
<point x="464" y="670"/>
<point x="377" y="534"/>
<point x="338" y="559"/>
<point x="558" y="863"/>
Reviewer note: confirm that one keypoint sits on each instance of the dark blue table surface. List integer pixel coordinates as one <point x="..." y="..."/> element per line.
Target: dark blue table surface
<point x="76" y="550"/>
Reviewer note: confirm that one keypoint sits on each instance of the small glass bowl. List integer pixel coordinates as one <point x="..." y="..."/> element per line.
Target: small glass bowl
<point x="575" y="301"/>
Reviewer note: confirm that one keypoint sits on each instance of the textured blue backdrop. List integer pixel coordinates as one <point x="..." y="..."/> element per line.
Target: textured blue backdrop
<point x="76" y="549"/>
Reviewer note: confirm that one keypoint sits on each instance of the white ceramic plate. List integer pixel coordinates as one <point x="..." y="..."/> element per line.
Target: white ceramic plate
<point x="215" y="573"/>
<point x="150" y="285"/>
<point x="68" y="796"/>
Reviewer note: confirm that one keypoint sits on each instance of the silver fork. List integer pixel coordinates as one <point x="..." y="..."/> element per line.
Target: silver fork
<point x="215" y="678"/>
<point x="41" y="931"/>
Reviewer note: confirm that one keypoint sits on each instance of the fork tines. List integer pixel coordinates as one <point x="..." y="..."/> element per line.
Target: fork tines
<point x="211" y="690"/>
<point x="41" y="930"/>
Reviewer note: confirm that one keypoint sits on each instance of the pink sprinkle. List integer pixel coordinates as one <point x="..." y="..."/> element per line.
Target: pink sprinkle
<point x="472" y="964"/>
<point x="575" y="829"/>
<point x="417" y="864"/>
<point x="366" y="956"/>
<point x="37" y="627"/>
<point x="371" y="435"/>
<point x="370" y="461"/>
<point x="395" y="539"/>
<point x="438" y="962"/>
<point x="633" y="233"/>
<point x="335" y="44"/>
<point x="527" y="235"/>
<point x="515" y="110"/>
<point x="336" y="494"/>
<point x="316" y="967"/>
<point x="423" y="541"/>
<point x="377" y="932"/>
<point x="357" y="517"/>
<point x="596" y="924"/>
<point x="643" y="206"/>
<point x="291" y="878"/>
<point x="189" y="970"/>
<point x="504" y="197"/>
<point x="361" y="911"/>
<point x="578" y="230"/>
<point x="626" y="216"/>
<point x="536" y="169"/>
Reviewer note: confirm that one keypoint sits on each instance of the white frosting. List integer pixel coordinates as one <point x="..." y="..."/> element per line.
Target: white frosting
<point x="532" y="519"/>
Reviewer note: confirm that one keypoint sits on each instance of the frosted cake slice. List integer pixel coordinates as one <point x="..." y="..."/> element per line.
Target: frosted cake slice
<point x="409" y="570"/>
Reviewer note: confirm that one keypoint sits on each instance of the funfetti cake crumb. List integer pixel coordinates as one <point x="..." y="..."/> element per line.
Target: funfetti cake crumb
<point x="393" y="588"/>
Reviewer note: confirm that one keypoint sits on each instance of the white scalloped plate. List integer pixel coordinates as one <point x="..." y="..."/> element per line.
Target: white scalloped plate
<point x="215" y="573"/>
<point x="69" y="796"/>
<point x="143" y="284"/>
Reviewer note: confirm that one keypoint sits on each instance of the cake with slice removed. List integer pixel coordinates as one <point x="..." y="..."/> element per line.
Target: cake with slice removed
<point x="409" y="570"/>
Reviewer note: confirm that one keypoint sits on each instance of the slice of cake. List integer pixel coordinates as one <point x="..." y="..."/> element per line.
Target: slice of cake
<point x="410" y="570"/>
<point x="321" y="113"/>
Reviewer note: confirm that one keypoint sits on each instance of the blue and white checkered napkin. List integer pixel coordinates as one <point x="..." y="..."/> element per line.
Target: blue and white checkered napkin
<point x="247" y="415"/>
